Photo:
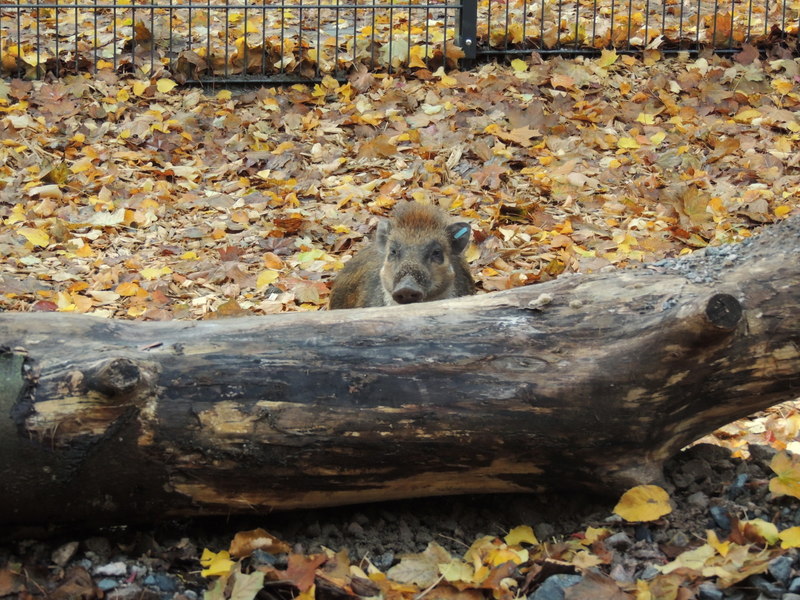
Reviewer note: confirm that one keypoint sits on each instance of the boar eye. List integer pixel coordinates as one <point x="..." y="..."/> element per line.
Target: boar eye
<point x="394" y="252"/>
<point x="437" y="255"/>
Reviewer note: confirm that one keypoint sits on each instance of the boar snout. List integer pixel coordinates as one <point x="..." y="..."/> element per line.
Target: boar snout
<point x="407" y="291"/>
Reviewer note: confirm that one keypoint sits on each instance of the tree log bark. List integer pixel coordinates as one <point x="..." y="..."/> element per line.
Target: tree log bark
<point x="589" y="381"/>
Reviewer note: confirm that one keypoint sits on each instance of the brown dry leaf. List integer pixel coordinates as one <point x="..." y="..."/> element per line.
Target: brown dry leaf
<point x="301" y="570"/>
<point x="245" y="542"/>
<point x="595" y="586"/>
<point x="420" y="569"/>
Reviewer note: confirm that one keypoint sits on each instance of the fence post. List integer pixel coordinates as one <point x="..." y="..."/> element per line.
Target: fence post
<point x="468" y="31"/>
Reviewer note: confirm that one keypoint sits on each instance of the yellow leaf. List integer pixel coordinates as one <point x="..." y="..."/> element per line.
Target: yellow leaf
<point x="787" y="470"/>
<point x="607" y="58"/>
<point x="658" y="137"/>
<point x="646" y="119"/>
<point x="190" y="255"/>
<point x="139" y="87"/>
<point x="165" y="85"/>
<point x="216" y="564"/>
<point x="84" y="251"/>
<point x="594" y="534"/>
<point x="457" y="570"/>
<point x="790" y="538"/>
<point x="643" y="503"/>
<point x="782" y="210"/>
<point x="747" y="115"/>
<point x="627" y="143"/>
<point x="128" y="288"/>
<point x="519" y="65"/>
<point x="713" y="541"/>
<point x="265" y="278"/>
<point x="224" y="95"/>
<point x="81" y="165"/>
<point x="691" y="559"/>
<point x="283" y="147"/>
<point x="472" y="254"/>
<point x="153" y="273"/>
<point x="765" y="529"/>
<point x="37" y="237"/>
<point x="499" y="555"/>
<point x="782" y="86"/>
<point x="521" y="534"/>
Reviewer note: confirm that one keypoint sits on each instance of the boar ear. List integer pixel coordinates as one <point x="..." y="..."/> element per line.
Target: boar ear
<point x="382" y="233"/>
<point x="460" y="234"/>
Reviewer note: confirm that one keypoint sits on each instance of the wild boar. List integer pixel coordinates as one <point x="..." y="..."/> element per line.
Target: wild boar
<point x="416" y="256"/>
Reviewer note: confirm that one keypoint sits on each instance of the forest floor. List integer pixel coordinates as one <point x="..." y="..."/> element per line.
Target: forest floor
<point x="138" y="199"/>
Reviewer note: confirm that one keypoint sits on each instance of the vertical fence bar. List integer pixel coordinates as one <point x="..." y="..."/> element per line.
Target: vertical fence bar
<point x="318" y="71"/>
<point x="96" y="13"/>
<point x="58" y="50"/>
<point x="77" y="47"/>
<point x="714" y="25"/>
<point x="391" y="35"/>
<point x="630" y="25"/>
<point x="170" y="15"/>
<point x="39" y="70"/>
<point x="408" y="37"/>
<point x="733" y="21"/>
<point x="264" y="40"/>
<point x="467" y="34"/>
<point x="246" y="64"/>
<point x="697" y="31"/>
<point x="152" y="39"/>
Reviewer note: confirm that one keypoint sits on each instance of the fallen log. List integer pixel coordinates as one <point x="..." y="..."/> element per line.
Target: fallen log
<point x="589" y="381"/>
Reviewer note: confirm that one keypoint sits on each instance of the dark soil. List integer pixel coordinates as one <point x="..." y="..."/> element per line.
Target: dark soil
<point x="708" y="489"/>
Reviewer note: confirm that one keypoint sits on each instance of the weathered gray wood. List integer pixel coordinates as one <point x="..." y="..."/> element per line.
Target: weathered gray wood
<point x="587" y="381"/>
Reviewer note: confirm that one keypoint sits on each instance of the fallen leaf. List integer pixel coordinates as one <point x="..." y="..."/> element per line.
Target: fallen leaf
<point x="643" y="503"/>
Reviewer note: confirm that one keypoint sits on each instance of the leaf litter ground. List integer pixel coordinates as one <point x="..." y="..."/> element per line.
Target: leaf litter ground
<point x="136" y="199"/>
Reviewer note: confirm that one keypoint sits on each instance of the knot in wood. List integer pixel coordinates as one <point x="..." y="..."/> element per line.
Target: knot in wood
<point x="723" y="311"/>
<point x="115" y="377"/>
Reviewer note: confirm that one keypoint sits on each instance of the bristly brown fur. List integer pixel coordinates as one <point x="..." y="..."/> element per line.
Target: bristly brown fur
<point x="414" y="216"/>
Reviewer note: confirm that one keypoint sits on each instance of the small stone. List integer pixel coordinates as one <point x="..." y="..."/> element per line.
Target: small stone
<point x="107" y="583"/>
<point x="260" y="557"/>
<point x="163" y="582"/>
<point x="766" y="587"/>
<point x="720" y="517"/>
<point x="794" y="586"/>
<point x="708" y="591"/>
<point x="643" y="533"/>
<point x="553" y="587"/>
<point x="680" y="539"/>
<point x="355" y="529"/>
<point x="698" y="499"/>
<point x="781" y="569"/>
<point x="790" y="597"/>
<point x="649" y="572"/>
<point x="737" y="487"/>
<point x="114" y="569"/>
<point x="384" y="561"/>
<point x="130" y="592"/>
<point x="63" y="554"/>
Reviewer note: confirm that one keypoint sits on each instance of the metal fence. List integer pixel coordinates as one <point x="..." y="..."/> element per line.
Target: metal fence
<point x="275" y="40"/>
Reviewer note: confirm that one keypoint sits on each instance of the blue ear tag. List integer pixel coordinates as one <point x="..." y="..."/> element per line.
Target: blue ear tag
<point x="461" y="232"/>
